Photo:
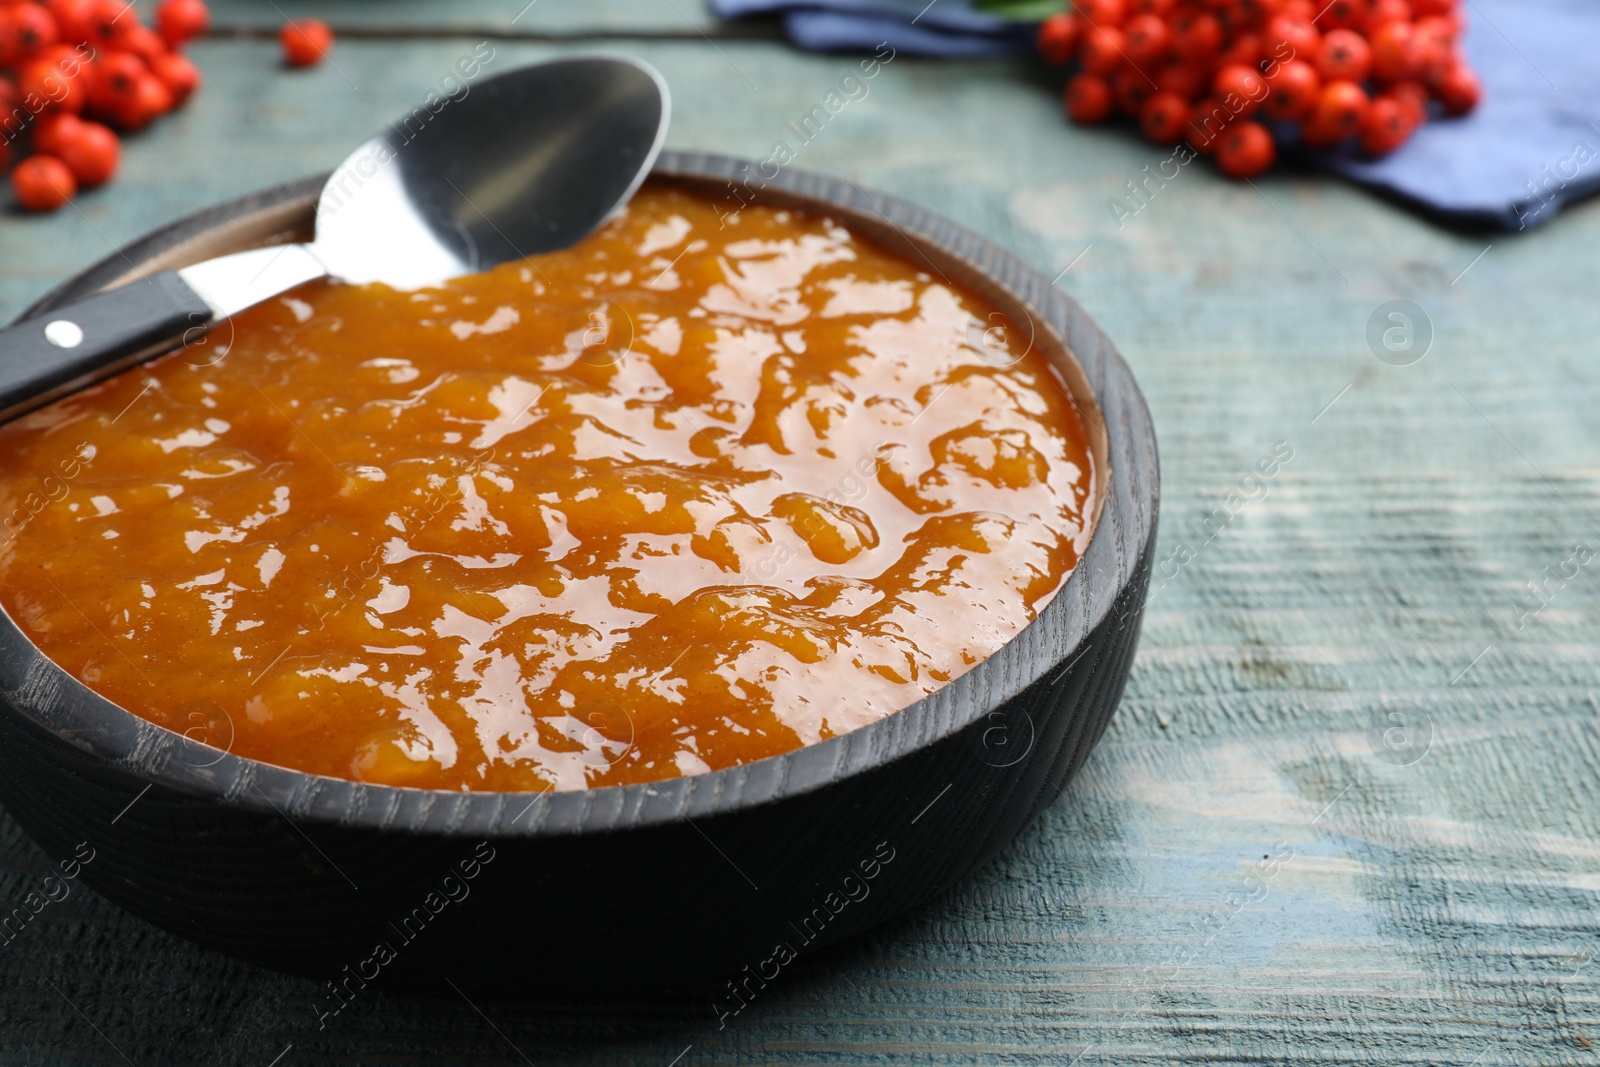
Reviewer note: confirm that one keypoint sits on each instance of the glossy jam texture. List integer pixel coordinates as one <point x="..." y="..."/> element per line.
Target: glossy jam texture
<point x="693" y="493"/>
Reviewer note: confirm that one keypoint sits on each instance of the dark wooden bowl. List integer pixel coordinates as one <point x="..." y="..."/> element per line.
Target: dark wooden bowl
<point x="716" y="879"/>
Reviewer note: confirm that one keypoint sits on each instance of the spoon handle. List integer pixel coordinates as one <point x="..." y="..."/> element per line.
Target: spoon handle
<point x="70" y="347"/>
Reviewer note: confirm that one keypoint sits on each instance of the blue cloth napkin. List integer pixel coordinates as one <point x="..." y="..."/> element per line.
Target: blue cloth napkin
<point x="944" y="28"/>
<point x="1532" y="145"/>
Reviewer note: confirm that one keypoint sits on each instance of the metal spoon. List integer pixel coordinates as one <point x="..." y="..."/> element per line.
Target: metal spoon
<point x="530" y="161"/>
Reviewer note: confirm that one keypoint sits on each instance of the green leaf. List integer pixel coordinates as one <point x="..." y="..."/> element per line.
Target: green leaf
<point x="1021" y="10"/>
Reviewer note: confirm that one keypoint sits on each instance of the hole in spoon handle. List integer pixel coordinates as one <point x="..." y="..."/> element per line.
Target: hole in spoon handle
<point x="68" y="348"/>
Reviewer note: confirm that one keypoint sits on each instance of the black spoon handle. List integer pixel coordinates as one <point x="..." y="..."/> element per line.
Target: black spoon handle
<point x="70" y="347"/>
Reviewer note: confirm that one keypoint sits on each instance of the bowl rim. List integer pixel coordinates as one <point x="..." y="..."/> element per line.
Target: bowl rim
<point x="1128" y="489"/>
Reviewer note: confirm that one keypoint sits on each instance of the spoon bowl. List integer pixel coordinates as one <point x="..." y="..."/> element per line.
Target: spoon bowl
<point x="418" y="205"/>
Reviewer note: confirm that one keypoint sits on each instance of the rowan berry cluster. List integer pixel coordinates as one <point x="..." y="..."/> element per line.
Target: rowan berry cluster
<point x="72" y="72"/>
<point x="76" y="73"/>
<point x="1210" y="71"/>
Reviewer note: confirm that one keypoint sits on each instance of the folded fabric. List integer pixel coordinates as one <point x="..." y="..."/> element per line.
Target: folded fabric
<point x="1532" y="145"/>
<point x="944" y="28"/>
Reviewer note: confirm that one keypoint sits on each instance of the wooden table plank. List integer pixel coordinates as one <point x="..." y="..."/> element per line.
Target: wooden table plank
<point x="588" y="17"/>
<point x="1438" y="911"/>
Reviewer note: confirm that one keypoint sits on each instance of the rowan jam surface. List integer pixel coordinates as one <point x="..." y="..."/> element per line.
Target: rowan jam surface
<point x="682" y="497"/>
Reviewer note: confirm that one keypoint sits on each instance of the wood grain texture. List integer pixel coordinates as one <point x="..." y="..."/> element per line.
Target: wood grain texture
<point x="1442" y="912"/>
<point x="585" y="19"/>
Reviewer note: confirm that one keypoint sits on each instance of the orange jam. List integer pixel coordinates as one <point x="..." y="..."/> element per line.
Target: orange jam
<point x="685" y="496"/>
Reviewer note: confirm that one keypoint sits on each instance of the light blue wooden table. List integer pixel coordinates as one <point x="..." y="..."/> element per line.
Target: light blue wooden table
<point x="1350" y="809"/>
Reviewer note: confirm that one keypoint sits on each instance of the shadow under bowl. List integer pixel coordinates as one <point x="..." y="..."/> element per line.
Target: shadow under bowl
<point x="682" y="882"/>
